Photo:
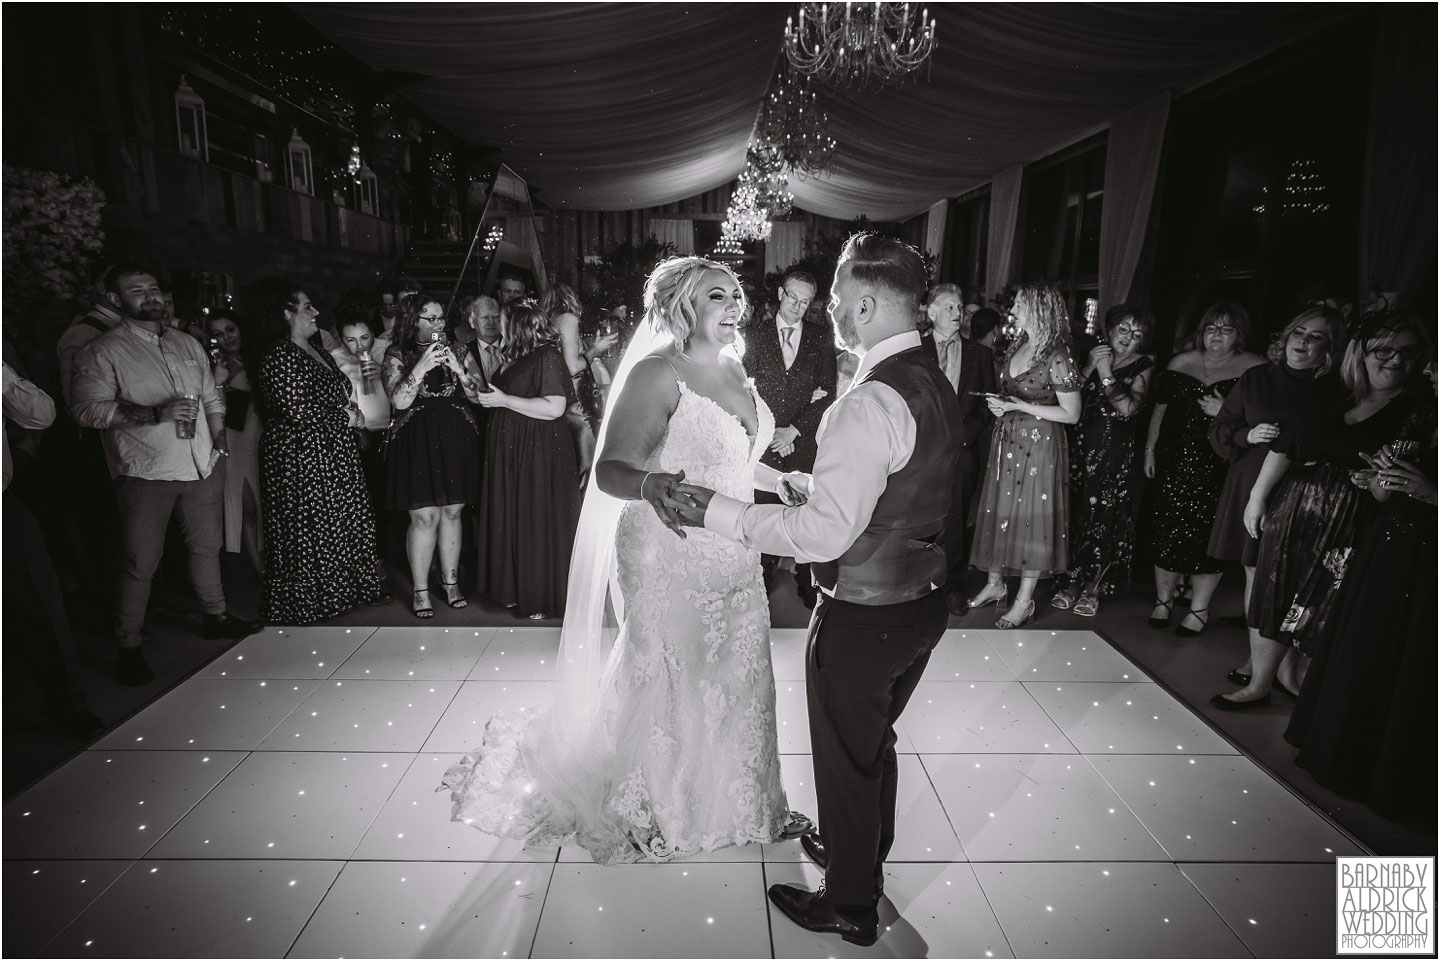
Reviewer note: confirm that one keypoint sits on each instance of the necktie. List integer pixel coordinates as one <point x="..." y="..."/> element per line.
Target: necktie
<point x="492" y="360"/>
<point x="787" y="348"/>
<point x="950" y="360"/>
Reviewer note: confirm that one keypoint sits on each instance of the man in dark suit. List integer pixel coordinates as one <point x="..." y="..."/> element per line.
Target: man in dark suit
<point x="970" y="368"/>
<point x="792" y="361"/>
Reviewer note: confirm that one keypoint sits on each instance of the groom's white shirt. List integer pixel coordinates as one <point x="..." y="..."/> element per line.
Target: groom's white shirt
<point x="866" y="435"/>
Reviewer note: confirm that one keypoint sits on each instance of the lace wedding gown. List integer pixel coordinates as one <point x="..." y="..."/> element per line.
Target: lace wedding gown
<point x="683" y="757"/>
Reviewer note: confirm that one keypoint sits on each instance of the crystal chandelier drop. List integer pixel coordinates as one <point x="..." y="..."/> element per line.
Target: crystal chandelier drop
<point x="747" y="218"/>
<point x="729" y="245"/>
<point x="772" y="182"/>
<point x="852" y="46"/>
<point x="792" y="130"/>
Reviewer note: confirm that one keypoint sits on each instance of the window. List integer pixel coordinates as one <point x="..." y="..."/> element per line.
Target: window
<point x="1060" y="222"/>
<point x="969" y="244"/>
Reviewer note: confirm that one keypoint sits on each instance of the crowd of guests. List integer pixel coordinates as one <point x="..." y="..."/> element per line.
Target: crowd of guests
<point x="1312" y="464"/>
<point x="292" y="433"/>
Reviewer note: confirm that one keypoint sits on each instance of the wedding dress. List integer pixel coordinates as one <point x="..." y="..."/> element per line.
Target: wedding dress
<point x="681" y="754"/>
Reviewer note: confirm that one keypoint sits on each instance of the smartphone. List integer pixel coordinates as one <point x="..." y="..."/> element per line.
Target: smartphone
<point x="437" y="336"/>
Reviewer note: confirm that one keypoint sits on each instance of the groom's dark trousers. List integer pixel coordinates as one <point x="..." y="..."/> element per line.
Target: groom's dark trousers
<point x="861" y="666"/>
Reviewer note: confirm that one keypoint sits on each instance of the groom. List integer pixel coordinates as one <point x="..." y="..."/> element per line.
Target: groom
<point x="871" y="520"/>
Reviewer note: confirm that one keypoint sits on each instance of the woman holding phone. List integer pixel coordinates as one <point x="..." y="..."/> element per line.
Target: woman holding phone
<point x="432" y="459"/>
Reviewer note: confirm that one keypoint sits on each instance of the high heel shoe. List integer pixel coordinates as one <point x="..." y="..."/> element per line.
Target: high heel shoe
<point x="985" y="597"/>
<point x="1201" y="614"/>
<point x="453" y="595"/>
<point x="1160" y="623"/>
<point x="1005" y="624"/>
<point x="420" y="606"/>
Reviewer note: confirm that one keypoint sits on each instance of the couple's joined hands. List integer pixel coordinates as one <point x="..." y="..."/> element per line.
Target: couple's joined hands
<point x="676" y="503"/>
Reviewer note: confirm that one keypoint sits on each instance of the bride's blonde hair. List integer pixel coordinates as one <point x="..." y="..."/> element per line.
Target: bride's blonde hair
<point x="670" y="292"/>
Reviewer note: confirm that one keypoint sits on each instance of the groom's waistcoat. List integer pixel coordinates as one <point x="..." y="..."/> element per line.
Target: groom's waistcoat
<point x="900" y="556"/>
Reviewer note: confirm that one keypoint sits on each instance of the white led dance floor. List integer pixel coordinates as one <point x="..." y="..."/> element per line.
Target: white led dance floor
<point x="1053" y="803"/>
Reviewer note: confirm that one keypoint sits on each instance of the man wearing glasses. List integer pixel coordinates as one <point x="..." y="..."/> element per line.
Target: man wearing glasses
<point x="792" y="361"/>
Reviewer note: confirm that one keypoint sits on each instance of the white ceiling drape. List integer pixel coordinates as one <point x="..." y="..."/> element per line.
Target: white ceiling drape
<point x="620" y="106"/>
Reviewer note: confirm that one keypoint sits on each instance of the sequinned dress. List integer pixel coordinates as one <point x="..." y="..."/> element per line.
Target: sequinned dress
<point x="1022" y="516"/>
<point x="1189" y="475"/>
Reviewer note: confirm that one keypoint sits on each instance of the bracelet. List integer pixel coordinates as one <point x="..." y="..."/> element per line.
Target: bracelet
<point x="642" y="483"/>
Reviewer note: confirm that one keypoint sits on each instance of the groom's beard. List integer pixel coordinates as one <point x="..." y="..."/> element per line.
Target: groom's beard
<point x="846" y="336"/>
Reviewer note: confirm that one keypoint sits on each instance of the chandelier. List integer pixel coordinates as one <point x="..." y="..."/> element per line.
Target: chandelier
<point x="852" y="46"/>
<point x="792" y="130"/>
<point x="772" y="184"/>
<point x="747" y="217"/>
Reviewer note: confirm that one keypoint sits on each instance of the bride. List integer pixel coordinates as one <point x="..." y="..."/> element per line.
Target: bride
<point x="661" y="742"/>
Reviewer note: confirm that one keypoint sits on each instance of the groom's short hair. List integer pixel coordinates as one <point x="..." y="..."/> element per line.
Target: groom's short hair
<point x="884" y="262"/>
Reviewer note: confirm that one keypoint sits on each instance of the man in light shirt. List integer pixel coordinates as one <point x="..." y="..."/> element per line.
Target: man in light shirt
<point x="871" y="520"/>
<point x="138" y="384"/>
<point x="485" y="320"/>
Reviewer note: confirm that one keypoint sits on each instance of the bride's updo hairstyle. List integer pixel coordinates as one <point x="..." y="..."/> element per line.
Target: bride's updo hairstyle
<point x="670" y="290"/>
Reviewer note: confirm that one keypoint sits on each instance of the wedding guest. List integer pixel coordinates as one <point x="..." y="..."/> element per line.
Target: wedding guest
<point x="1103" y="473"/>
<point x="33" y="627"/>
<point x="1022" y="517"/>
<point x="562" y="311"/>
<point x="1304" y="508"/>
<point x="320" y="549"/>
<point x="531" y="500"/>
<point x="510" y="287"/>
<point x="386" y="314"/>
<point x="1365" y="720"/>
<point x="1188" y="394"/>
<point x="970" y="369"/>
<point x="242" y="435"/>
<point x="432" y="462"/>
<point x="145" y="387"/>
<point x="358" y="358"/>
<point x="484" y="319"/>
<point x="1266" y="398"/>
<point x="985" y="327"/>
<point x="792" y="362"/>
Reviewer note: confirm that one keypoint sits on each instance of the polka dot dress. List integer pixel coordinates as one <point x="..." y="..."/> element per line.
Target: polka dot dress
<point x="1022" y="515"/>
<point x="320" y="556"/>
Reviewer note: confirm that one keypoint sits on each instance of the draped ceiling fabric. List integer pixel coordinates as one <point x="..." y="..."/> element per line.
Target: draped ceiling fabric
<point x="1004" y="215"/>
<point x="629" y="105"/>
<point x="1132" y="165"/>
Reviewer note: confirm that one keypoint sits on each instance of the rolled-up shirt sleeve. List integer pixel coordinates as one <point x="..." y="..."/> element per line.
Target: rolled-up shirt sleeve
<point x="24" y="403"/>
<point x="865" y="437"/>
<point x="94" y="390"/>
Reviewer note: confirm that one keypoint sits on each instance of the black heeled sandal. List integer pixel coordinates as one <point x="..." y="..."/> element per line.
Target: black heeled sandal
<point x="1201" y="614"/>
<point x="1160" y="623"/>
<point x="453" y="595"/>
<point x="422" y="611"/>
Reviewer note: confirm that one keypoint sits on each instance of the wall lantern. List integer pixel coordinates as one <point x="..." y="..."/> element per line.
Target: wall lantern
<point x="368" y="187"/>
<point x="297" y="164"/>
<point x="190" y="121"/>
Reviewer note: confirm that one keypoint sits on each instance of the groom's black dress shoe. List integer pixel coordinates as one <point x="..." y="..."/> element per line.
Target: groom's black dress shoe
<point x="814" y="849"/>
<point x="813" y="911"/>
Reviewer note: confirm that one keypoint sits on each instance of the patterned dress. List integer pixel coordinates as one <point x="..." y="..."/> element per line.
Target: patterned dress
<point x="1315" y="513"/>
<point x="1022" y="520"/>
<point x="1189" y="475"/>
<point x="1102" y="484"/>
<point x="320" y="556"/>
<point x="684" y="756"/>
